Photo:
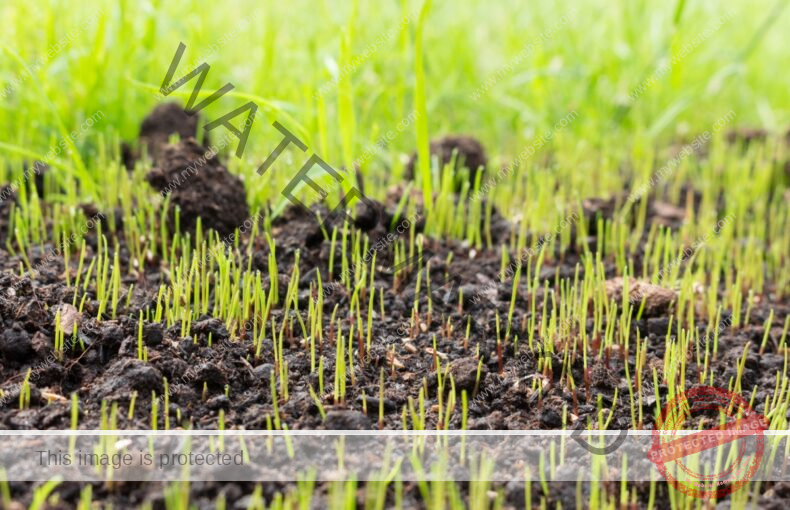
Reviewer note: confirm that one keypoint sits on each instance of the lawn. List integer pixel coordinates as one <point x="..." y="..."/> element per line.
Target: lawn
<point x="427" y="217"/>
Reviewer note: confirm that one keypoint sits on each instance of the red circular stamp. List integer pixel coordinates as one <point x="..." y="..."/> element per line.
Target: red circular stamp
<point x="668" y="449"/>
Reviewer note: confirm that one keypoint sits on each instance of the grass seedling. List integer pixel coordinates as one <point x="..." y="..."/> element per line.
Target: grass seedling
<point x="24" y="392"/>
<point x="381" y="399"/>
<point x="321" y="375"/>
<point x="783" y="338"/>
<point x="79" y="273"/>
<point x="116" y="283"/>
<point x="166" y="396"/>
<point x="767" y="328"/>
<point x="140" y="351"/>
<point x="370" y="306"/>
<point x="41" y="495"/>
<point x="318" y="403"/>
<point x="59" y="337"/>
<point x="275" y="407"/>
<point x="5" y="490"/>
<point x="477" y="377"/>
<point x="154" y="411"/>
<point x="132" y="401"/>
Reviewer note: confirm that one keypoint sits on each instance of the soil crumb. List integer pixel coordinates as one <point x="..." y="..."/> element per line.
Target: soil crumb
<point x="471" y="155"/>
<point x="201" y="187"/>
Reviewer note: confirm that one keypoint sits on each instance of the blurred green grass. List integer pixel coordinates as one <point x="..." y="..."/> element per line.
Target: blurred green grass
<point x="288" y="53"/>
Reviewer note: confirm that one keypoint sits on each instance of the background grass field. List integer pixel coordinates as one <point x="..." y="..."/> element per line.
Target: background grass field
<point x="591" y="65"/>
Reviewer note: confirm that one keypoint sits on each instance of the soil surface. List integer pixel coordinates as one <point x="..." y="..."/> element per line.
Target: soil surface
<point x="227" y="376"/>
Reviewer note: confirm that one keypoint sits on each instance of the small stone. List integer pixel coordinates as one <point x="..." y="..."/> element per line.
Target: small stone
<point x="657" y="326"/>
<point x="213" y="326"/>
<point x="42" y="344"/>
<point x="153" y="334"/>
<point x="218" y="402"/>
<point x="212" y="375"/>
<point x="69" y="316"/>
<point x="658" y="300"/>
<point x="15" y="344"/>
<point x="346" y="420"/>
<point x="550" y="419"/>
<point x="464" y="373"/>
<point x="263" y="371"/>
<point x="112" y="334"/>
<point x="125" y="376"/>
<point x="373" y="404"/>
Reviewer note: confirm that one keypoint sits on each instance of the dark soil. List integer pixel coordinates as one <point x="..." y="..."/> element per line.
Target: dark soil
<point x="107" y="367"/>
<point x="200" y="187"/>
<point x="470" y="154"/>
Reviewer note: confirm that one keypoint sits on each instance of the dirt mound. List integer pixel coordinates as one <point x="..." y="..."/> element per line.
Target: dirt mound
<point x="471" y="155"/>
<point x="165" y="119"/>
<point x="201" y="187"/>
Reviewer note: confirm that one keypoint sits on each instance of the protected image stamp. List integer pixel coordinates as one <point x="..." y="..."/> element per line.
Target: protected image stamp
<point x="742" y="423"/>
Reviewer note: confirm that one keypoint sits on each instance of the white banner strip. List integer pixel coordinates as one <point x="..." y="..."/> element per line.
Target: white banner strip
<point x="382" y="455"/>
